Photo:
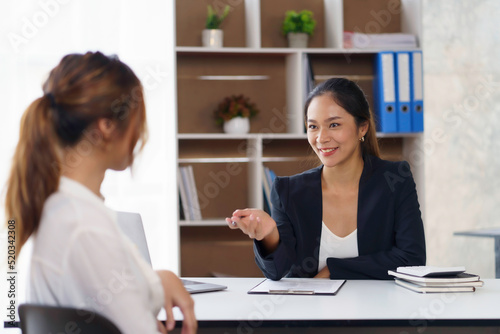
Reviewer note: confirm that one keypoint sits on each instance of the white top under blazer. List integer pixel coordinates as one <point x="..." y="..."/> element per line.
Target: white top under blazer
<point x="82" y="259"/>
<point x="332" y="245"/>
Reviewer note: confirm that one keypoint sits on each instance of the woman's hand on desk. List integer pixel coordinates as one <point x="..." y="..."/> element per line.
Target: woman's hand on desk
<point x="323" y="273"/>
<point x="176" y="295"/>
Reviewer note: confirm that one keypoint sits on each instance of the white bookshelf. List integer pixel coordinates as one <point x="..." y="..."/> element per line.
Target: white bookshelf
<point x="204" y="73"/>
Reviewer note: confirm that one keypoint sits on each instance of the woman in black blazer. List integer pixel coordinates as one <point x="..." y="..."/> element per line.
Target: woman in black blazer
<point x="354" y="217"/>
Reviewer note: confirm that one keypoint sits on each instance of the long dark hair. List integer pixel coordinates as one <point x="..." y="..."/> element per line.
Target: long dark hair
<point x="349" y="96"/>
<point x="80" y="90"/>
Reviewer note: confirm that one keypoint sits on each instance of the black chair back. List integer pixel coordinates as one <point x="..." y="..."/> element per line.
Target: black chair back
<point x="41" y="319"/>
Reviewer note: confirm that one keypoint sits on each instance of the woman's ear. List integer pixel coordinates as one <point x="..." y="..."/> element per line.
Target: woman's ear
<point x="106" y="127"/>
<point x="363" y="128"/>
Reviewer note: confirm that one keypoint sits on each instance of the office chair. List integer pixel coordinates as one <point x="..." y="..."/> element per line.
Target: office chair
<point x="41" y="319"/>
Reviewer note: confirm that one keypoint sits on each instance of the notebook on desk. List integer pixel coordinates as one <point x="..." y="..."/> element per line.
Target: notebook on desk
<point x="131" y="225"/>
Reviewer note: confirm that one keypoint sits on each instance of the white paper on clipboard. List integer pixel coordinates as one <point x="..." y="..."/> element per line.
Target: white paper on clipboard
<point x="299" y="286"/>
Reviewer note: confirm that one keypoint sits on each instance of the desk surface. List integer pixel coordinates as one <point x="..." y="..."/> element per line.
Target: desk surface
<point x="489" y="232"/>
<point x="356" y="300"/>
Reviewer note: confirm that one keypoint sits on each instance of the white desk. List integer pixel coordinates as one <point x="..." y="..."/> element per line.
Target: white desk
<point x="377" y="306"/>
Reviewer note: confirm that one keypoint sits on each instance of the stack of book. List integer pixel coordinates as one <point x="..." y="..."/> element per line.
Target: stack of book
<point x="357" y="40"/>
<point x="425" y="279"/>
<point x="268" y="177"/>
<point x="188" y="195"/>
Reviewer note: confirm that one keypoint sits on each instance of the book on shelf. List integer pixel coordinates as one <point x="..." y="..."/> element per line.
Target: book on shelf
<point x="195" y="203"/>
<point x="309" y="76"/>
<point x="429" y="289"/>
<point x="182" y="216"/>
<point x="268" y="177"/>
<point x="272" y="174"/>
<point x="183" y="192"/>
<point x="357" y="40"/>
<point x="188" y="193"/>
<point x="266" y="187"/>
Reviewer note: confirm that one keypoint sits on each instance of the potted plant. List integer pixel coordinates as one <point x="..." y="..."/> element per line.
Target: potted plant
<point x="298" y="27"/>
<point x="212" y="36"/>
<point x="234" y="113"/>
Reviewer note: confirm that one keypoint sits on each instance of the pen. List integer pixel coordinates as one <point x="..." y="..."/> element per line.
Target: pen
<point x="293" y="292"/>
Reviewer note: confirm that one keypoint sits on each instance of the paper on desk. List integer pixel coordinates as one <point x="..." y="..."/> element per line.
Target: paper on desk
<point x="299" y="286"/>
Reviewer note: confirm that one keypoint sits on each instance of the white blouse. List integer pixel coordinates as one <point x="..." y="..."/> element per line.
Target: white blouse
<point x="332" y="245"/>
<point x="82" y="259"/>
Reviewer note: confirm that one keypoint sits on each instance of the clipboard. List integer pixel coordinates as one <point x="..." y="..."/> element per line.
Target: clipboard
<point x="298" y="286"/>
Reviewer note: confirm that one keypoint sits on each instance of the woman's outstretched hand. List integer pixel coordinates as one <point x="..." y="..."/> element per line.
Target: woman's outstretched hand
<point x="255" y="223"/>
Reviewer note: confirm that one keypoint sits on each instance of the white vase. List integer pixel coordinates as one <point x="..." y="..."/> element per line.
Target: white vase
<point x="237" y="125"/>
<point x="297" y="39"/>
<point x="212" y="38"/>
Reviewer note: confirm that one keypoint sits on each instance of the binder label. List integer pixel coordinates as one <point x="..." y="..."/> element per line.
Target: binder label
<point x="404" y="77"/>
<point x="388" y="77"/>
<point x="418" y="93"/>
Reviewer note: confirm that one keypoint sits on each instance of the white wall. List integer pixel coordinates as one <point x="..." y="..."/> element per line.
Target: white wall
<point x="462" y="104"/>
<point x="35" y="34"/>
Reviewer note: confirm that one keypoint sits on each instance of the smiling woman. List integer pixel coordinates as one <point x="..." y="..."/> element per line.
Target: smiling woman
<point x="346" y="103"/>
<point x="354" y="217"/>
<point x="333" y="133"/>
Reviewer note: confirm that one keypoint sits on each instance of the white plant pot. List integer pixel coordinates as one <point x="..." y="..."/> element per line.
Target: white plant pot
<point x="237" y="125"/>
<point x="212" y="38"/>
<point x="297" y="39"/>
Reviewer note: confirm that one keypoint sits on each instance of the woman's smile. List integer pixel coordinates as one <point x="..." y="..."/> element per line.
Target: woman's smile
<point x="326" y="152"/>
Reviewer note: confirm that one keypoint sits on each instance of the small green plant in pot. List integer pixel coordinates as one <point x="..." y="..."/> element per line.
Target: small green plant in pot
<point x="234" y="113"/>
<point x="212" y="35"/>
<point x="298" y="27"/>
